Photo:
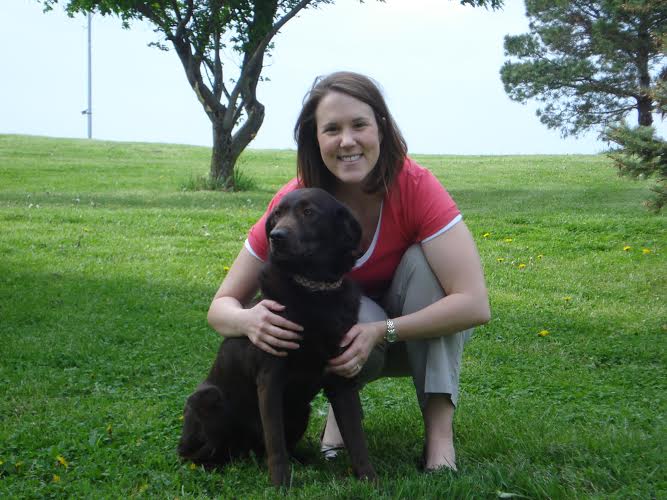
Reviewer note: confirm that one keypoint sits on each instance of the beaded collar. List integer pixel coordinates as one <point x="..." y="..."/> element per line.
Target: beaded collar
<point x="317" y="286"/>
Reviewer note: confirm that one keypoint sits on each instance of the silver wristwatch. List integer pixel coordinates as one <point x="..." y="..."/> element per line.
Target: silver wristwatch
<point x="390" y="336"/>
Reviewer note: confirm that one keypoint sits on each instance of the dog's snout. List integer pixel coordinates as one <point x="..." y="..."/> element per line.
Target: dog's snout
<point x="278" y="235"/>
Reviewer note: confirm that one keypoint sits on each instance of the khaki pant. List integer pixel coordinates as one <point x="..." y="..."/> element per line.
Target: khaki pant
<point x="434" y="364"/>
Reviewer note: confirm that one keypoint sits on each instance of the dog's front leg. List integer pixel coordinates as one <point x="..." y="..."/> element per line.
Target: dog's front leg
<point x="270" y="389"/>
<point x="344" y="398"/>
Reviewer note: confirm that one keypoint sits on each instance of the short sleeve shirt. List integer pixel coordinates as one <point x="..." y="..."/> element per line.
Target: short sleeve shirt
<point x="416" y="209"/>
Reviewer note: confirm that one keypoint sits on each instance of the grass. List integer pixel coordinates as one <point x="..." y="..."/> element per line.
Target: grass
<point x="107" y="268"/>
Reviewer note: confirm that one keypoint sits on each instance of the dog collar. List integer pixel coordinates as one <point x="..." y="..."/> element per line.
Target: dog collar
<point x="317" y="286"/>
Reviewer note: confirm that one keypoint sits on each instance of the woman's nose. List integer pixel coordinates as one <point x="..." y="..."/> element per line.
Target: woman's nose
<point x="347" y="138"/>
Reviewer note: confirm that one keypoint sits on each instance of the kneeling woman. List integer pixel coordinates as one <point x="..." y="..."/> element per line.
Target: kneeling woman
<point x="419" y="268"/>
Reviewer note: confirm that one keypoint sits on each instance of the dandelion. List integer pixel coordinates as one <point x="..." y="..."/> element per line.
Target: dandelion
<point x="627" y="248"/>
<point x="646" y="251"/>
<point x="522" y="266"/>
<point x="500" y="259"/>
<point x="567" y="298"/>
<point x="193" y="466"/>
<point x="181" y="417"/>
<point x="486" y="235"/>
<point x="61" y="460"/>
<point x="56" y="478"/>
<point x="508" y="240"/>
<point x="225" y="268"/>
<point x="540" y="256"/>
<point x="543" y="333"/>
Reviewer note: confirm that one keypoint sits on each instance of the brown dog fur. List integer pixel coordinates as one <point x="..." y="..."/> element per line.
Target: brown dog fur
<point x="254" y="401"/>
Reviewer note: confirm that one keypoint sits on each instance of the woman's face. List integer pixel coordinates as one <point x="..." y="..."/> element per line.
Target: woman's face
<point x="348" y="136"/>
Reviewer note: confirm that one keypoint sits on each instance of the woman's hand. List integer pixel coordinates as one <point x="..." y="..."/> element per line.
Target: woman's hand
<point x="358" y="342"/>
<point x="268" y="330"/>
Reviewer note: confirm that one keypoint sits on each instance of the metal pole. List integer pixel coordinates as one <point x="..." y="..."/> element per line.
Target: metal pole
<point x="90" y="79"/>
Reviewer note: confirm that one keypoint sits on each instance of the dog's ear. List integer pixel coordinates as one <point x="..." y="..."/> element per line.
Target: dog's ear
<point x="349" y="235"/>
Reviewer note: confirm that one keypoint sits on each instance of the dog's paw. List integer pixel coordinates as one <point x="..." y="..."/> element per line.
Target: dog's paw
<point x="367" y="474"/>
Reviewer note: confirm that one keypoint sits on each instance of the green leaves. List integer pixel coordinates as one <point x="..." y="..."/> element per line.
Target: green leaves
<point x="590" y="63"/>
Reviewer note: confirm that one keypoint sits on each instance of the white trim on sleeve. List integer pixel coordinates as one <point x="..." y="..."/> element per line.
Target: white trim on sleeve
<point x="249" y="248"/>
<point x="452" y="223"/>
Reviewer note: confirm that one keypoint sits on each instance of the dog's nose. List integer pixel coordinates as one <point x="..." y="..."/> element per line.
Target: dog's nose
<point x="278" y="235"/>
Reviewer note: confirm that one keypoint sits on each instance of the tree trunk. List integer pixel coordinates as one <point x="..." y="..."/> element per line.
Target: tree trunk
<point x="223" y="157"/>
<point x="644" y="101"/>
<point x="645" y="111"/>
<point x="227" y="147"/>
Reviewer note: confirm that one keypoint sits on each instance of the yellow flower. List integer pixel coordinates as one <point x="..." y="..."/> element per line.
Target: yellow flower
<point x="193" y="466"/>
<point x="61" y="460"/>
<point x="540" y="256"/>
<point x="646" y="251"/>
<point x="225" y="268"/>
<point x="567" y="298"/>
<point x="56" y="478"/>
<point x="109" y="429"/>
<point x="181" y="417"/>
<point x="486" y="235"/>
<point x="543" y="333"/>
<point x="627" y="248"/>
<point x="521" y="266"/>
<point x="508" y="240"/>
<point x="500" y="259"/>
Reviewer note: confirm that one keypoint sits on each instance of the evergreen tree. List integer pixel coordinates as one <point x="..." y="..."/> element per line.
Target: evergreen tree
<point x="590" y="64"/>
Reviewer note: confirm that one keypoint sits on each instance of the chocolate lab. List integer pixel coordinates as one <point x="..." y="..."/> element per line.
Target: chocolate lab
<point x="254" y="401"/>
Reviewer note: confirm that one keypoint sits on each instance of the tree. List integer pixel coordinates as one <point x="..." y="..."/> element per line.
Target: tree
<point x="199" y="30"/>
<point x="641" y="154"/>
<point x="589" y="62"/>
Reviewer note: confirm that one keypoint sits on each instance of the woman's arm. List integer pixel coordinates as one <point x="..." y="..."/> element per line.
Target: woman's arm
<point x="454" y="259"/>
<point x="228" y="316"/>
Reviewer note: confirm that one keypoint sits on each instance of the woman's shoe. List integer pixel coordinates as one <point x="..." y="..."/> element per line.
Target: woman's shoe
<point x="329" y="451"/>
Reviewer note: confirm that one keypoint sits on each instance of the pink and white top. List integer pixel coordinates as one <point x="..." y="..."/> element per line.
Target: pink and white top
<point x="416" y="209"/>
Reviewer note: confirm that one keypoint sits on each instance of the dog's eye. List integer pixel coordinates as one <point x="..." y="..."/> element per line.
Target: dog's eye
<point x="277" y="211"/>
<point x="308" y="212"/>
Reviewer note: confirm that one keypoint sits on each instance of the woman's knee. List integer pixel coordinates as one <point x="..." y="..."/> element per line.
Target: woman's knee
<point x="415" y="285"/>
<point x="370" y="311"/>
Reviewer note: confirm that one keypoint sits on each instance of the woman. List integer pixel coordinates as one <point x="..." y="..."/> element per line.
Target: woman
<point x="420" y="271"/>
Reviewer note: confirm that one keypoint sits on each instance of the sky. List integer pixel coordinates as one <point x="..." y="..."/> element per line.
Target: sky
<point x="437" y="63"/>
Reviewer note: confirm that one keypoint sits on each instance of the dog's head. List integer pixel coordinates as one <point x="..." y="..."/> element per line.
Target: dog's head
<point x="312" y="233"/>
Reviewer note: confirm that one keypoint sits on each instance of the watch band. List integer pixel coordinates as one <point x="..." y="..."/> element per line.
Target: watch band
<point x="390" y="336"/>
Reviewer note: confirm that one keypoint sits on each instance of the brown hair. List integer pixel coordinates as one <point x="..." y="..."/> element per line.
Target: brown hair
<point x="393" y="149"/>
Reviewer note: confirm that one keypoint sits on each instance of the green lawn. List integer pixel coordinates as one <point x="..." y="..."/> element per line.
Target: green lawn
<point x="107" y="268"/>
